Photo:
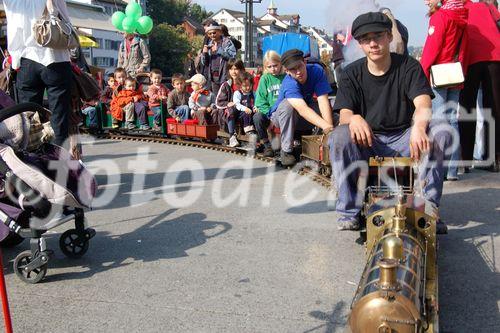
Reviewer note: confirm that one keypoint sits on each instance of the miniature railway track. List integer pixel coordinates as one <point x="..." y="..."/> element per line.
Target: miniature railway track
<point x="301" y="170"/>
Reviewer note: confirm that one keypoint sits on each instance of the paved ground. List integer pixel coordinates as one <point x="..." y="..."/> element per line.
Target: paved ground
<point x="262" y="263"/>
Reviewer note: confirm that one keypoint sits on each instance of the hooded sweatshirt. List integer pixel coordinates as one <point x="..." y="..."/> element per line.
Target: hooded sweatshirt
<point x="446" y="27"/>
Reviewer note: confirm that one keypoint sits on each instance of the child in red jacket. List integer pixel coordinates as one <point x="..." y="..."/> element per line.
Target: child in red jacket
<point x="131" y="102"/>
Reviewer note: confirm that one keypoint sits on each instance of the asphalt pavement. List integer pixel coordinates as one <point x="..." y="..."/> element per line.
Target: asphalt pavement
<point x="236" y="245"/>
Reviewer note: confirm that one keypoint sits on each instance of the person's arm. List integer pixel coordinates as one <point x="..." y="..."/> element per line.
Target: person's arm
<point x="325" y="109"/>
<point x="227" y="49"/>
<point x="433" y="43"/>
<point x="262" y="97"/>
<point x="192" y="105"/>
<point x="222" y="99"/>
<point x="361" y="132"/>
<point x="419" y="141"/>
<point x="237" y="101"/>
<point x="120" y="54"/>
<point x="309" y="114"/>
<point x="146" y="55"/>
<point x="153" y="94"/>
<point x="171" y="104"/>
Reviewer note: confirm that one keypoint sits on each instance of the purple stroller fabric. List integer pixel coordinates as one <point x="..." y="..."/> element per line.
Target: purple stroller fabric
<point x="15" y="214"/>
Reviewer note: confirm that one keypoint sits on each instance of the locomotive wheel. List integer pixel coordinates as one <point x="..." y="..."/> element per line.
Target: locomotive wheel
<point x="22" y="260"/>
<point x="72" y="245"/>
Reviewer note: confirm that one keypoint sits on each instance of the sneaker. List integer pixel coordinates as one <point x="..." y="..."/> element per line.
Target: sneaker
<point x="441" y="228"/>
<point x="115" y="126"/>
<point x="233" y="141"/>
<point x="145" y="127"/>
<point x="268" y="151"/>
<point x="348" y="225"/>
<point x="129" y="125"/>
<point x="287" y="159"/>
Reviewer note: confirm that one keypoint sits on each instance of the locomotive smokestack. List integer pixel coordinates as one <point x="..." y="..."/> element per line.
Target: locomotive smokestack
<point x="393" y="248"/>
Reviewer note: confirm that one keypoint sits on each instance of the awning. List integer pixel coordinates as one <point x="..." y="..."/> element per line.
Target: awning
<point x="87" y="42"/>
<point x="89" y="16"/>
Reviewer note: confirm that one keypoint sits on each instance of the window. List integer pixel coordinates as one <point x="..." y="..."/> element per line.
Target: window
<point x="223" y="20"/>
<point x="239" y="37"/>
<point x="108" y="10"/>
<point x="103" y="62"/>
<point x="99" y="41"/>
<point x="108" y="44"/>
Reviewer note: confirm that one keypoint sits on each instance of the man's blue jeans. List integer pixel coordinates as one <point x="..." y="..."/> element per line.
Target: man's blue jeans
<point x="445" y="107"/>
<point x="348" y="159"/>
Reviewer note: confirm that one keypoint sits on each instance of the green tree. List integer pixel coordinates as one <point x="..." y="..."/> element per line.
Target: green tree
<point x="198" y="13"/>
<point x="169" y="46"/>
<point x="168" y="11"/>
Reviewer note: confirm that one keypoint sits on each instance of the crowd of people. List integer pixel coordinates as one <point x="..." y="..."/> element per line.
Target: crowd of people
<point x="386" y="104"/>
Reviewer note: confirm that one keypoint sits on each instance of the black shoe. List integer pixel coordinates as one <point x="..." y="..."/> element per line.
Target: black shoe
<point x="441" y="228"/>
<point x="287" y="159"/>
<point x="268" y="152"/>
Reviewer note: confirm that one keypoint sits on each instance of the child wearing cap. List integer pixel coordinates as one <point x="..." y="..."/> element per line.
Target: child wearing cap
<point x="384" y="101"/>
<point x="202" y="101"/>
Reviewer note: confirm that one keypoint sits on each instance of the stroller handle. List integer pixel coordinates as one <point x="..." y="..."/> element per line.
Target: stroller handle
<point x="19" y="108"/>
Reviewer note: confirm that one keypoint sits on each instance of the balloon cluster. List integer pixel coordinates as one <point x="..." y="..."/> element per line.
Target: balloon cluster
<point x="132" y="20"/>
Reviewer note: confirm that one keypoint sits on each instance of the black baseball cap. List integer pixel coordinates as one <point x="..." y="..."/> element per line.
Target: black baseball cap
<point x="291" y="57"/>
<point x="370" y="22"/>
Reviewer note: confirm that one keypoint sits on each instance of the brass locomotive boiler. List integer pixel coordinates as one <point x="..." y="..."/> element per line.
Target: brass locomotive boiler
<point x="398" y="288"/>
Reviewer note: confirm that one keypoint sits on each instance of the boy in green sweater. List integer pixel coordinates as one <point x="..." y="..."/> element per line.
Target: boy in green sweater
<point x="265" y="97"/>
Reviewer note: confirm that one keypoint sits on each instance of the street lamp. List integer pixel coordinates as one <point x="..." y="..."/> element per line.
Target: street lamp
<point x="249" y="30"/>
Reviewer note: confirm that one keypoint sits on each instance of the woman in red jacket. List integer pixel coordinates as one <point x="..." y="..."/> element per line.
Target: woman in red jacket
<point x="444" y="43"/>
<point x="483" y="70"/>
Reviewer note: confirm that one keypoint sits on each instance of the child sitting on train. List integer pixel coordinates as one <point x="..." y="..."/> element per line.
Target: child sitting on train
<point x="265" y="97"/>
<point x="120" y="75"/>
<point x="158" y="94"/>
<point x="178" y="99"/>
<point x="131" y="102"/>
<point x="202" y="101"/>
<point x="107" y="92"/>
<point x="243" y="100"/>
<point x="224" y="100"/>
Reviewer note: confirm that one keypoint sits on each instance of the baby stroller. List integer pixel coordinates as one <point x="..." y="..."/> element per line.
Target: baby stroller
<point x="40" y="189"/>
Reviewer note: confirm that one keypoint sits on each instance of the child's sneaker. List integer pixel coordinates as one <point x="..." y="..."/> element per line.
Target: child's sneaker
<point x="233" y="141"/>
<point x="129" y="125"/>
<point x="115" y="126"/>
<point x="145" y="127"/>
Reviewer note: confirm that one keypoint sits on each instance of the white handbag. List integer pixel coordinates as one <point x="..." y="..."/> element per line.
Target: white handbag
<point x="447" y="75"/>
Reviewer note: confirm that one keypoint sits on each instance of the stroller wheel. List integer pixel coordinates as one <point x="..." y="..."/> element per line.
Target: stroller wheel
<point x="22" y="269"/>
<point x="73" y="244"/>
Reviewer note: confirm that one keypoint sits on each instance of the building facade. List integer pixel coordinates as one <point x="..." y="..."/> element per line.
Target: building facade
<point x="324" y="42"/>
<point x="106" y="54"/>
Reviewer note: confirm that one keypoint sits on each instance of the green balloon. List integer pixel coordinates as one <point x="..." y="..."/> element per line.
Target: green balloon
<point x="117" y="20"/>
<point x="144" y="25"/>
<point x="129" y="24"/>
<point x="133" y="10"/>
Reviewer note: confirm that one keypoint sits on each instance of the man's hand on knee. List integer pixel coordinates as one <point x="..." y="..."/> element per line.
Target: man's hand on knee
<point x="361" y="132"/>
<point x="419" y="141"/>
